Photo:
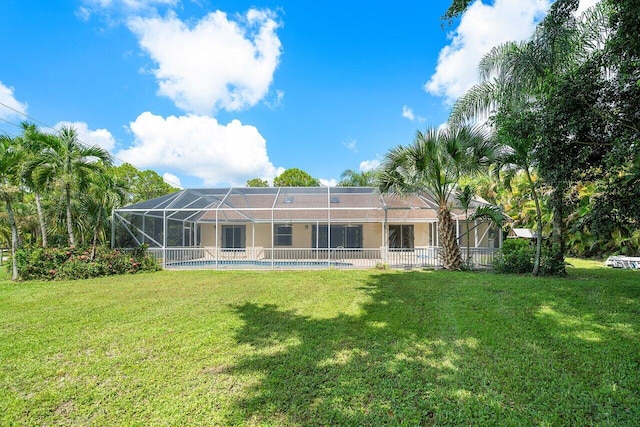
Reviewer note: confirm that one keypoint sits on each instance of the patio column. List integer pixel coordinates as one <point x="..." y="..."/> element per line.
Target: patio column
<point x="253" y="240"/>
<point x="113" y="233"/>
<point x="475" y="231"/>
<point x="328" y="226"/>
<point x="164" y="238"/>
<point x="385" y="237"/>
<point x="217" y="246"/>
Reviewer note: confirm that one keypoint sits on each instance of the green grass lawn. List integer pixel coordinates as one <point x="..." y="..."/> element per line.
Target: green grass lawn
<point x="322" y="348"/>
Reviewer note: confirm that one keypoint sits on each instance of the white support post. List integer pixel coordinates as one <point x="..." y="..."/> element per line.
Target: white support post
<point x="385" y="237"/>
<point x="475" y="231"/>
<point x="113" y="232"/>
<point x="164" y="238"/>
<point x="217" y="240"/>
<point x="253" y="240"/>
<point x="328" y="226"/>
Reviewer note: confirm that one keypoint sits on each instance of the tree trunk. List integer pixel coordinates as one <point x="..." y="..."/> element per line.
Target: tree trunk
<point x="450" y="250"/>
<point x="43" y="224"/>
<point x="15" y="241"/>
<point x="536" y="262"/>
<point x="95" y="236"/>
<point x="72" y="239"/>
<point x="466" y="221"/>
<point x="557" y="248"/>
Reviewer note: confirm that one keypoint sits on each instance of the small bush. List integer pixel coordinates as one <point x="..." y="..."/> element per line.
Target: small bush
<point x="75" y="263"/>
<point x="552" y="262"/>
<point x="517" y="257"/>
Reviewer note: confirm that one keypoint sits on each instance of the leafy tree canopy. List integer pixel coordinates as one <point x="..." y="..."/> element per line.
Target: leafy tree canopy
<point x="257" y="182"/>
<point x="295" y="178"/>
<point x="351" y="178"/>
<point x="141" y="185"/>
<point x="456" y="9"/>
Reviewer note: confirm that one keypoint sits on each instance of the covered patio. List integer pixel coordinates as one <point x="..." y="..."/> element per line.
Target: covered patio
<point x="296" y="227"/>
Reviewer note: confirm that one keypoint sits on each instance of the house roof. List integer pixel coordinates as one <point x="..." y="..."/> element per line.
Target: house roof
<point x="252" y="204"/>
<point x="523" y="233"/>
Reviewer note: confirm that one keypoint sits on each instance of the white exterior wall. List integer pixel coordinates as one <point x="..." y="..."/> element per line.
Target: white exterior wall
<point x="422" y="235"/>
<point x="372" y="235"/>
<point x="208" y="235"/>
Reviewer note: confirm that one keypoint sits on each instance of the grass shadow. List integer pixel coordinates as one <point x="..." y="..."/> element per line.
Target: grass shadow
<point x="434" y="348"/>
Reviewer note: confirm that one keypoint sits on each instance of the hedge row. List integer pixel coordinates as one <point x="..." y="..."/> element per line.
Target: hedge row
<point x="77" y="263"/>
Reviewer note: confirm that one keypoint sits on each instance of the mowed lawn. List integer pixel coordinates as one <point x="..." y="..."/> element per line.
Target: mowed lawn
<point x="323" y="348"/>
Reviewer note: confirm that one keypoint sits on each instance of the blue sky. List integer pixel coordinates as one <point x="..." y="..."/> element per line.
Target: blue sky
<point x="212" y="93"/>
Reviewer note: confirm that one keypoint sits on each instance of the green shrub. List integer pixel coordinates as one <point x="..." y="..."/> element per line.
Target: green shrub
<point x="552" y="262"/>
<point x="76" y="263"/>
<point x="517" y="256"/>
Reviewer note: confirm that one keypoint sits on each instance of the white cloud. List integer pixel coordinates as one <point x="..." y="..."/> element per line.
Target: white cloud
<point x="276" y="100"/>
<point x="481" y="28"/>
<point x="199" y="146"/>
<point x="217" y="63"/>
<point x="332" y="182"/>
<point x="132" y="4"/>
<point x="352" y="145"/>
<point x="124" y="7"/>
<point x="13" y="107"/>
<point x="407" y="113"/>
<point x="172" y="179"/>
<point x="99" y="137"/>
<point x="369" y="165"/>
<point x="585" y="4"/>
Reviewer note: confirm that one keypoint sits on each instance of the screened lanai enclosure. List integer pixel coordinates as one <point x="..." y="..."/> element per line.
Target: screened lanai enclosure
<point x="306" y="227"/>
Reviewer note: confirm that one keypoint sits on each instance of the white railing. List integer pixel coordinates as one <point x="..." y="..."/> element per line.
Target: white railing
<point x="416" y="257"/>
<point x="286" y="258"/>
<point x="480" y="258"/>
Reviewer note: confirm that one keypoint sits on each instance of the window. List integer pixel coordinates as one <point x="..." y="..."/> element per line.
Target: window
<point x="282" y="235"/>
<point x="234" y="236"/>
<point x="401" y="236"/>
<point x="346" y="236"/>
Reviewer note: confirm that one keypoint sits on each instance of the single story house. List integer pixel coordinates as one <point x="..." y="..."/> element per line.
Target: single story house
<point x="292" y="227"/>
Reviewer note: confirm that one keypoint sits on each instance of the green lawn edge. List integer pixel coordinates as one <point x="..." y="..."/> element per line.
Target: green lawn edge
<point x="359" y="347"/>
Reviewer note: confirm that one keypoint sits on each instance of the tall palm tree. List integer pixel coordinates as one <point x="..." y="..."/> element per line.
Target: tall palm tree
<point x="517" y="156"/>
<point x="434" y="163"/>
<point x="34" y="142"/>
<point x="69" y="162"/>
<point x="514" y="77"/>
<point x="10" y="162"/>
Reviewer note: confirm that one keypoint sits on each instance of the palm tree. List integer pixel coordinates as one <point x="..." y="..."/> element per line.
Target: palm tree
<point x="514" y="77"/>
<point x="34" y="142"/>
<point x="69" y="163"/>
<point x="434" y="163"/>
<point x="465" y="197"/>
<point x="10" y="162"/>
<point x="517" y="156"/>
<point x="351" y="178"/>
<point x="105" y="194"/>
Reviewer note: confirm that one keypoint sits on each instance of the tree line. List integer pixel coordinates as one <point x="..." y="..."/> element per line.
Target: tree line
<point x="58" y="191"/>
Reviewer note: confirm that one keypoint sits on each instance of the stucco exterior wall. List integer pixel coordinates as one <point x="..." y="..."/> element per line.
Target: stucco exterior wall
<point x="424" y="235"/>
